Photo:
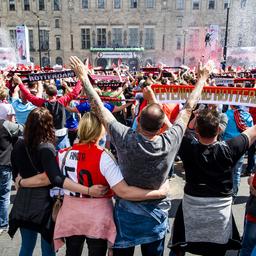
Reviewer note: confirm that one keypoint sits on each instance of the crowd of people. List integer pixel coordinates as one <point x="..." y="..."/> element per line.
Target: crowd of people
<point x="109" y="153"/>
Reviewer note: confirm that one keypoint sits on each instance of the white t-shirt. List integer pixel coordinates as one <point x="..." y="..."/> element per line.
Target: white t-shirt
<point x="108" y="168"/>
<point x="6" y="110"/>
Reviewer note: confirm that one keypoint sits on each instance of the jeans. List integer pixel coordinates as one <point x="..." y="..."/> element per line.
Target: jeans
<point x="140" y="222"/>
<point x="237" y="169"/>
<point x="62" y="142"/>
<point x="155" y="248"/>
<point x="28" y="244"/>
<point x="5" y="192"/>
<point x="254" y="251"/>
<point x="75" y="244"/>
<point x="249" y="239"/>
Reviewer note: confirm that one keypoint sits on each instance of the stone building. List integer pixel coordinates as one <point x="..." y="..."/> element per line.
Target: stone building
<point x="133" y="31"/>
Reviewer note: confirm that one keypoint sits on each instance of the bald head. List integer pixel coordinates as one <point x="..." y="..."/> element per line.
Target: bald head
<point x="152" y="118"/>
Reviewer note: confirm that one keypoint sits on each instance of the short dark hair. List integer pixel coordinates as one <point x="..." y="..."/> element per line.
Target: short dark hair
<point x="51" y="90"/>
<point x="207" y="123"/>
<point x="152" y="118"/>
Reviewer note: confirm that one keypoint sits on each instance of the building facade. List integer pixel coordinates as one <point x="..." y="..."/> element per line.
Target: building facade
<point x="136" y="31"/>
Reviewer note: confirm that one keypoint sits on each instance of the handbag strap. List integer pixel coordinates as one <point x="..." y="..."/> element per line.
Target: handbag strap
<point x="30" y="160"/>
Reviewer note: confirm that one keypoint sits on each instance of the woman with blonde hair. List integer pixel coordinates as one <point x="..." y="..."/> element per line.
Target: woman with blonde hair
<point x="88" y="218"/>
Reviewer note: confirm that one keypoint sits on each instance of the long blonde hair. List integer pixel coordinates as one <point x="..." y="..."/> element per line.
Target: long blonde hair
<point x="90" y="128"/>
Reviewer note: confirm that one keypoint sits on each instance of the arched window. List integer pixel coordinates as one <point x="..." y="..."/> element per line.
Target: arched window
<point x="45" y="61"/>
<point x="59" y="61"/>
<point x="102" y="62"/>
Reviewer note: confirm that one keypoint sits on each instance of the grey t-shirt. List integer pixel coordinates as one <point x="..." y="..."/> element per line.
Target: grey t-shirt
<point x="145" y="163"/>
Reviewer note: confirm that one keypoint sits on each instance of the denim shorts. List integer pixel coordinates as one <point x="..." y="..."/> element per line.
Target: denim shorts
<point x="139" y="223"/>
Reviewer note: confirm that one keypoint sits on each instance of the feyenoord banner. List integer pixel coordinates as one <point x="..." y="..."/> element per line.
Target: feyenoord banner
<point x="34" y="77"/>
<point x="210" y="95"/>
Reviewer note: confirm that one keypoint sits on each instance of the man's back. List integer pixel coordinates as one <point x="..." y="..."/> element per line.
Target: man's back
<point x="145" y="163"/>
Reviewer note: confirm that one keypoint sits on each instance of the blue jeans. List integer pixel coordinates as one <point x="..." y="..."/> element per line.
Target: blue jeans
<point x="62" y="142"/>
<point x="155" y="248"/>
<point x="5" y="191"/>
<point x="140" y="222"/>
<point x="28" y="244"/>
<point x="254" y="251"/>
<point x="237" y="169"/>
<point x="249" y="239"/>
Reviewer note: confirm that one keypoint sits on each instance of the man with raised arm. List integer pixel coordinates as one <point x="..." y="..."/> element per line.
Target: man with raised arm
<point x="145" y="157"/>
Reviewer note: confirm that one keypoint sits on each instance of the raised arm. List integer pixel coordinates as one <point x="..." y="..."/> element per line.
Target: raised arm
<point x="65" y="100"/>
<point x="251" y="134"/>
<point x="81" y="71"/>
<point x="190" y="104"/>
<point x="37" y="101"/>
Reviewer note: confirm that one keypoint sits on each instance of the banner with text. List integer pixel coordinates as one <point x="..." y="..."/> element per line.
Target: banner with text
<point x="210" y="95"/>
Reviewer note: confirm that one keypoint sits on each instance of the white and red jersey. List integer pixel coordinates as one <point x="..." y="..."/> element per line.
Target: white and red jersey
<point x="89" y="164"/>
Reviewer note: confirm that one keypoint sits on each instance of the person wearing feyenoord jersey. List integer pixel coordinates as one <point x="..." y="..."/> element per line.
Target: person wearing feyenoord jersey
<point x="145" y="158"/>
<point x="35" y="170"/>
<point x="88" y="218"/>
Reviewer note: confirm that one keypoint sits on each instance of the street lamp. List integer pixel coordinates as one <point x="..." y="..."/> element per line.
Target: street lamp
<point x="39" y="40"/>
<point x="226" y="40"/>
<point x="184" y="46"/>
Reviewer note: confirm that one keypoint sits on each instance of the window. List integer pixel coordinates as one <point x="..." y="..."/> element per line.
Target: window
<point x="85" y="38"/>
<point x="57" y="23"/>
<point x="56" y="5"/>
<point x="243" y="3"/>
<point x="149" y="38"/>
<point x="226" y="4"/>
<point x="12" y="5"/>
<point x="134" y="3"/>
<point x="179" y="4"/>
<point x="133" y="37"/>
<point x="150" y="3"/>
<point x="44" y="40"/>
<point x="240" y="40"/>
<point x="31" y="40"/>
<point x="59" y="61"/>
<point x="211" y="4"/>
<point x="13" y="37"/>
<point x="179" y="40"/>
<point x="58" y="43"/>
<point x="101" y="4"/>
<point x="195" y="4"/>
<point x="45" y="62"/>
<point x="117" y="37"/>
<point x="179" y="22"/>
<point x="41" y="5"/>
<point x="26" y="5"/>
<point x="85" y="4"/>
<point x="117" y="4"/>
<point x="101" y="37"/>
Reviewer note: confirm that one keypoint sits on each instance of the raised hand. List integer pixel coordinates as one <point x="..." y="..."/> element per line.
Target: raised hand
<point x="206" y="70"/>
<point x="79" y="67"/>
<point x="17" y="79"/>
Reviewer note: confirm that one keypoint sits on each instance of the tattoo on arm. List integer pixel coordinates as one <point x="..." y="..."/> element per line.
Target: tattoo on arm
<point x="97" y="106"/>
<point x="191" y="103"/>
